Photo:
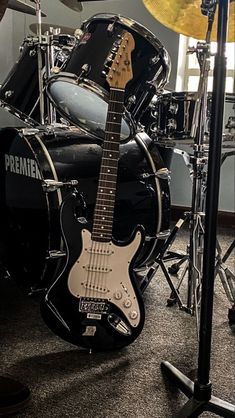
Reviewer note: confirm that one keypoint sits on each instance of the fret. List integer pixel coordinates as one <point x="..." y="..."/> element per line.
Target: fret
<point x="105" y="210"/>
<point x="113" y="123"/>
<point x="116" y="113"/>
<point x="104" y="217"/>
<point x="104" y="221"/>
<point x="105" y="201"/>
<point x="107" y="166"/>
<point x="107" y="187"/>
<point x="113" y="133"/>
<point x="108" y="151"/>
<point x="102" y="229"/>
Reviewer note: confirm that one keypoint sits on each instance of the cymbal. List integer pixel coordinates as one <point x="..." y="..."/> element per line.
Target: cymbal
<point x="46" y="28"/>
<point x="185" y="17"/>
<point x="20" y="6"/>
<point x="73" y="4"/>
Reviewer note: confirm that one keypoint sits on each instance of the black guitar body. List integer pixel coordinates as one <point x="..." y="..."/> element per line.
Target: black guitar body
<point x="60" y="308"/>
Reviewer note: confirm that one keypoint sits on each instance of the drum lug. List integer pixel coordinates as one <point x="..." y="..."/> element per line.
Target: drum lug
<point x="163" y="174"/>
<point x="9" y="94"/>
<point x="53" y="254"/>
<point x="164" y="234"/>
<point x="29" y="131"/>
<point x="50" y="185"/>
<point x="161" y="235"/>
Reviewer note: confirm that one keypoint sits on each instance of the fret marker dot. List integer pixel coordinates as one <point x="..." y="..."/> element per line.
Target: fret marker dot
<point x="102" y="227"/>
<point x="108" y="171"/>
<point x="114" y="118"/>
<point x="103" y="218"/>
<point x="112" y="137"/>
<point x="101" y="235"/>
<point x="111" y="191"/>
<point x="104" y="208"/>
<point x="110" y="155"/>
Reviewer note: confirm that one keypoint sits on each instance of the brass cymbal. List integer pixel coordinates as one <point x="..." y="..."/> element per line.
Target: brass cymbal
<point x="46" y="28"/>
<point x="185" y="17"/>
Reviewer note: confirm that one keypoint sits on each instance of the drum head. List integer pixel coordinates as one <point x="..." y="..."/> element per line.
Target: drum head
<point x="84" y="104"/>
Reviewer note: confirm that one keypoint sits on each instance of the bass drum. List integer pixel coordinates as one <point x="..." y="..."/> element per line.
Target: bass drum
<point x="34" y="252"/>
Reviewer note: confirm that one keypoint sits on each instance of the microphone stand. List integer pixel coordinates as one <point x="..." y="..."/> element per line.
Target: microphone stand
<point x="199" y="392"/>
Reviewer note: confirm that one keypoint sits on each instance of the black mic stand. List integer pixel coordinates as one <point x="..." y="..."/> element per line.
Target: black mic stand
<point x="200" y="391"/>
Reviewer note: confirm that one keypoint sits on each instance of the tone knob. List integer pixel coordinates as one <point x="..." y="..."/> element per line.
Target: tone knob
<point x="118" y="295"/>
<point x="127" y="303"/>
<point x="133" y="314"/>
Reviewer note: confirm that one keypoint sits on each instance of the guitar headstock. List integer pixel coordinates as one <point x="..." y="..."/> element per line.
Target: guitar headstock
<point x="121" y="70"/>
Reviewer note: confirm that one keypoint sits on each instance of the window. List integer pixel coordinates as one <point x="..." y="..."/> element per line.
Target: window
<point x="188" y="67"/>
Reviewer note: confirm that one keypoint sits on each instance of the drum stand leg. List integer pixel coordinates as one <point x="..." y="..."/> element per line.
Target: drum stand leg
<point x="227" y="277"/>
<point x="200" y="392"/>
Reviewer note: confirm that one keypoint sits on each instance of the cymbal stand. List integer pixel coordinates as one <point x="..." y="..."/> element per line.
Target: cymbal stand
<point x="197" y="164"/>
<point x="50" y="63"/>
<point x="40" y="61"/>
<point x="200" y="391"/>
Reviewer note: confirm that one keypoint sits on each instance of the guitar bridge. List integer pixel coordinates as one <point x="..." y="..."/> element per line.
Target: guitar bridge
<point x="91" y="306"/>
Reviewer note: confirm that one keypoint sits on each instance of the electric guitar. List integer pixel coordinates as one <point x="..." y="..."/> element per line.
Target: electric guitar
<point x="96" y="302"/>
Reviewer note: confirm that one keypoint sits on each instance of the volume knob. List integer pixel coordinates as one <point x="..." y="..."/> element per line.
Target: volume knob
<point x="127" y="303"/>
<point x="133" y="314"/>
<point x="118" y="295"/>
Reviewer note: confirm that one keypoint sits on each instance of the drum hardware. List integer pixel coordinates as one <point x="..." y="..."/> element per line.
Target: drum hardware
<point x="54" y="254"/>
<point x="199" y="392"/>
<point x="49" y="185"/>
<point x="46" y="28"/>
<point x="163" y="173"/>
<point x="197" y="165"/>
<point x="93" y="87"/>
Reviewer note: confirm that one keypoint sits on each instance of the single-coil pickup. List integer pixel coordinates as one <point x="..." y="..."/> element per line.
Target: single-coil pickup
<point x="96" y="269"/>
<point x="99" y="251"/>
<point x="95" y="288"/>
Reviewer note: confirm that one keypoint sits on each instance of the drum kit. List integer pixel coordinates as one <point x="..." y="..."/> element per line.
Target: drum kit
<point x="58" y="88"/>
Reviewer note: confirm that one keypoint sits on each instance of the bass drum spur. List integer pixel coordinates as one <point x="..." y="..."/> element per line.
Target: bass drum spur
<point x="34" y="252"/>
<point x="80" y="92"/>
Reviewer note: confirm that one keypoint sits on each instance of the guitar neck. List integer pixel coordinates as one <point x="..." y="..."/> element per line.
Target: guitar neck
<point x="105" y="200"/>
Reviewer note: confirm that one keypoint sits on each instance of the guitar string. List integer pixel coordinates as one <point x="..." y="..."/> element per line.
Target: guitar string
<point x="101" y="261"/>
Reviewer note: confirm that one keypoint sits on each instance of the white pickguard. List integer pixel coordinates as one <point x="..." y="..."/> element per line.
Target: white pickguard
<point x="102" y="272"/>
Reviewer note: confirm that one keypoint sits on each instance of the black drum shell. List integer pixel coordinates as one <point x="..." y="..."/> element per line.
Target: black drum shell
<point x="20" y="88"/>
<point x="171" y="115"/>
<point x="30" y="223"/>
<point x="150" y="66"/>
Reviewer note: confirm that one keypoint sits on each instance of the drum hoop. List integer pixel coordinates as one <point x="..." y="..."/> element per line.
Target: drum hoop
<point x="140" y="139"/>
<point x="92" y="87"/>
<point x="191" y="95"/>
<point x="138" y="28"/>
